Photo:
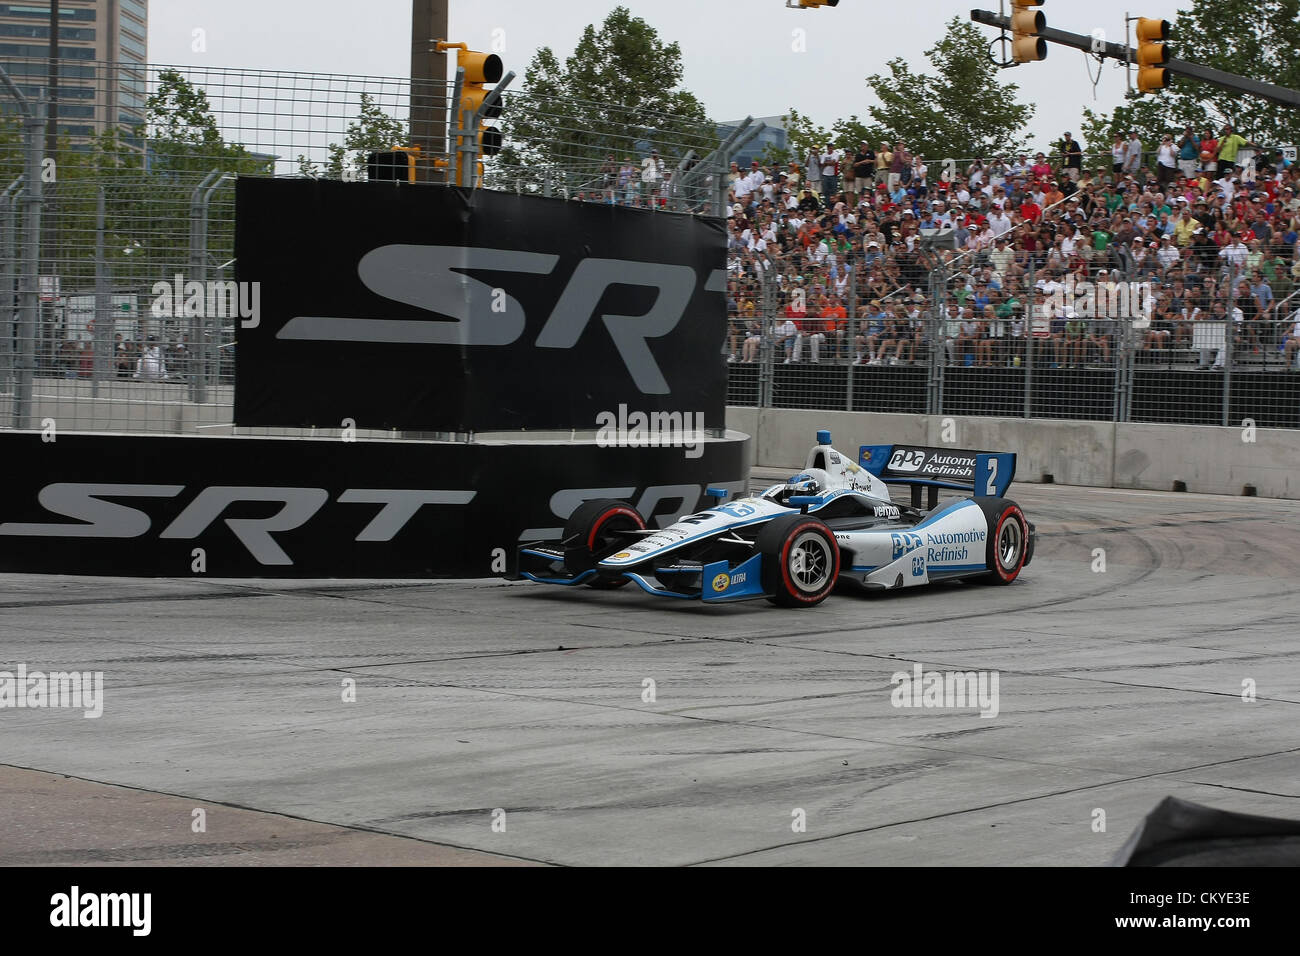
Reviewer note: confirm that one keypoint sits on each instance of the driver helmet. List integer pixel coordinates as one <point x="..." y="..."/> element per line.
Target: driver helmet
<point x="803" y="483"/>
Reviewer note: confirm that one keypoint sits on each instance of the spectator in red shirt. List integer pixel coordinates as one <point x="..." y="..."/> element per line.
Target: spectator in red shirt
<point x="836" y="320"/>
<point x="1041" y="170"/>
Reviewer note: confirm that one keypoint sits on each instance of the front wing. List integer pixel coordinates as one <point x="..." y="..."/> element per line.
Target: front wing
<point x="715" y="583"/>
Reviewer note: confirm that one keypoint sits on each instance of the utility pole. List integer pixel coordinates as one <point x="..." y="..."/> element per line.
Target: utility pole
<point x="429" y="24"/>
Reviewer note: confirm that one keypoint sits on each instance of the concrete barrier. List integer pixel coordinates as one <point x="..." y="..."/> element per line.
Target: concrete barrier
<point x="1207" y="459"/>
<point x="1072" y="452"/>
<point x="782" y="436"/>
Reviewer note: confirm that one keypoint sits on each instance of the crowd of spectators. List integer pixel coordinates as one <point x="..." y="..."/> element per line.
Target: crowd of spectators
<point x="1209" y="220"/>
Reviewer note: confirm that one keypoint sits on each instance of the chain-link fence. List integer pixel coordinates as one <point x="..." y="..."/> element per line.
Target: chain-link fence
<point x="929" y="336"/>
<point x="117" y="237"/>
<point x="117" y="248"/>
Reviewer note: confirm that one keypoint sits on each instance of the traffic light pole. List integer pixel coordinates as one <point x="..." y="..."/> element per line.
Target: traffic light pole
<point x="468" y="123"/>
<point x="1121" y="51"/>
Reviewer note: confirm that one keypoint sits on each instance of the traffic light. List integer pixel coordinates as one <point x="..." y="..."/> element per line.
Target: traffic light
<point x="396" y="165"/>
<point x="813" y="4"/>
<point x="1026" y="25"/>
<point x="1152" y="55"/>
<point x="482" y="72"/>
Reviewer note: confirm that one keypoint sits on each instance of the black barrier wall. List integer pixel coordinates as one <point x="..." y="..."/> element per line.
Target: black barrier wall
<point x="279" y="507"/>
<point x="443" y="309"/>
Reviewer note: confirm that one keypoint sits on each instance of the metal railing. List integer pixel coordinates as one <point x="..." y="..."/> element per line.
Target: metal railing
<point x="1010" y="352"/>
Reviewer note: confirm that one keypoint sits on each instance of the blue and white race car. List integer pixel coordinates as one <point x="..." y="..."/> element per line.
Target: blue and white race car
<point x="792" y="544"/>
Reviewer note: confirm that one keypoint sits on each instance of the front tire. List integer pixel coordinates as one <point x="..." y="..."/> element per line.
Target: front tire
<point x="801" y="561"/>
<point x="592" y="534"/>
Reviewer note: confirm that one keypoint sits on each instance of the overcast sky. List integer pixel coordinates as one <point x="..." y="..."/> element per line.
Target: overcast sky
<point x="740" y="56"/>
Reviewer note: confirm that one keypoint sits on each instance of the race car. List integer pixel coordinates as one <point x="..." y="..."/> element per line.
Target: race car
<point x="792" y="544"/>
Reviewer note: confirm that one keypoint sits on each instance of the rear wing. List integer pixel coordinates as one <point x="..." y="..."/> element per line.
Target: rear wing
<point x="975" y="472"/>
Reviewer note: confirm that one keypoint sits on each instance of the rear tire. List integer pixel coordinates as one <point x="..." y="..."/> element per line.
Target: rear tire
<point x="590" y="536"/>
<point x="1008" y="540"/>
<point x="801" y="561"/>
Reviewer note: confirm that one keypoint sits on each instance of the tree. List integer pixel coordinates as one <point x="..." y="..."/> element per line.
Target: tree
<point x="618" y="94"/>
<point x="372" y="131"/>
<point x="1256" y="38"/>
<point x="183" y="135"/>
<point x="964" y="111"/>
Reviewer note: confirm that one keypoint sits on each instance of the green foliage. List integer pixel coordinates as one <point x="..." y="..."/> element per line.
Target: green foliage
<point x="1254" y="38"/>
<point x="618" y="91"/>
<point x="182" y="132"/>
<point x="372" y="131"/>
<point x="964" y="111"/>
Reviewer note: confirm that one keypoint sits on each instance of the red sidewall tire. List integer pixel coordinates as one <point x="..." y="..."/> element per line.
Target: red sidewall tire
<point x="583" y="530"/>
<point x="1003" y="575"/>
<point x="776" y="542"/>
<point x="623" y="510"/>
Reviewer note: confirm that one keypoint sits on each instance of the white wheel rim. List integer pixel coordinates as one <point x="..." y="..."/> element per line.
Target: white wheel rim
<point x="810" y="562"/>
<point x="1009" y="539"/>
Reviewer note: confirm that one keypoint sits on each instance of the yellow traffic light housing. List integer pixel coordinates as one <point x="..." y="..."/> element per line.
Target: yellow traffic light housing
<point x="483" y="71"/>
<point x="1026" y="25"/>
<point x="1152" y="54"/>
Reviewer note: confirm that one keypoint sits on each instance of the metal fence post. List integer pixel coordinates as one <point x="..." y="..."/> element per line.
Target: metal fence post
<point x="1123" y="339"/>
<point x="851" y="336"/>
<point x="767" y="344"/>
<point x="1229" y="337"/>
<point x="938" y="284"/>
<point x="29" y="283"/>
<point x="202" y="354"/>
<point x="197" y="387"/>
<point x="8" y="273"/>
<point x="1030" y="292"/>
<point x="104" y="324"/>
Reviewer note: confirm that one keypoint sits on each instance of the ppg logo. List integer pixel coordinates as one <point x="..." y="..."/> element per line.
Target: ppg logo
<point x="904" y="542"/>
<point x="907" y="459"/>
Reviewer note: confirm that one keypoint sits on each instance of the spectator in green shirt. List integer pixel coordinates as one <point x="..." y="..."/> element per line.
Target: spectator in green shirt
<point x="1228" y="146"/>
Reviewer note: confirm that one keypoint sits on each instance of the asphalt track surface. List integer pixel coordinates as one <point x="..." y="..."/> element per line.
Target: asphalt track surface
<point x="1116" y="688"/>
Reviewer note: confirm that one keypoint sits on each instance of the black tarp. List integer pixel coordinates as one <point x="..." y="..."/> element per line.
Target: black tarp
<point x="444" y="309"/>
<point x="1180" y="833"/>
<point x="293" y="507"/>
